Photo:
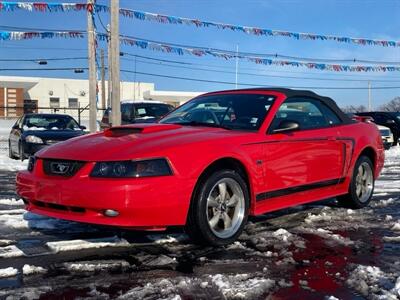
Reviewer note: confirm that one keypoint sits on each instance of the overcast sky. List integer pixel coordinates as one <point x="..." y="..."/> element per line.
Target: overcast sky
<point x="378" y="19"/>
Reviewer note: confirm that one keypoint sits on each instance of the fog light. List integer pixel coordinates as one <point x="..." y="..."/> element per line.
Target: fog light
<point x="111" y="213"/>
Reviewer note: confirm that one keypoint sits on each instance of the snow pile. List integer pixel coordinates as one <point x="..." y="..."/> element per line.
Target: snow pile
<point x="97" y="266"/>
<point x="72" y="245"/>
<point x="373" y="283"/>
<point x="31" y="270"/>
<point x="162" y="239"/>
<point x="382" y="203"/>
<point x="11" y="201"/>
<point x="9" y="164"/>
<point x="10" y="251"/>
<point x="164" y="289"/>
<point x="5" y="243"/>
<point x="8" y="272"/>
<point x="242" y="286"/>
<point x="327" y="235"/>
<point x="396" y="226"/>
<point x="392" y="155"/>
<point x="282" y="234"/>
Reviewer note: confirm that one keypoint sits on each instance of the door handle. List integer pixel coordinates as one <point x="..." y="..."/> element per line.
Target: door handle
<point x="331" y="138"/>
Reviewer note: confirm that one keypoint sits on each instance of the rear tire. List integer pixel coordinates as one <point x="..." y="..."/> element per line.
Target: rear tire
<point x="10" y="152"/>
<point x="219" y="209"/>
<point x="362" y="185"/>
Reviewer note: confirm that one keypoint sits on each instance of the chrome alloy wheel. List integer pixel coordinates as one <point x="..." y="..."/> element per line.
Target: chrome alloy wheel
<point x="225" y="207"/>
<point x="364" y="182"/>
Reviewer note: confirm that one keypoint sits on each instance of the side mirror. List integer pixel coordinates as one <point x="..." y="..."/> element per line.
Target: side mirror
<point x="82" y="127"/>
<point x="15" y="126"/>
<point x="286" y="126"/>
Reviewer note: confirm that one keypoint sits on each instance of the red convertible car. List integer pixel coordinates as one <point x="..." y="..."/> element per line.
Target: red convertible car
<point x="209" y="164"/>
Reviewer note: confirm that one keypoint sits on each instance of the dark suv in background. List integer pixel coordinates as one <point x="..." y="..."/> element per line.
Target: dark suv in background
<point x="138" y="111"/>
<point x="388" y="119"/>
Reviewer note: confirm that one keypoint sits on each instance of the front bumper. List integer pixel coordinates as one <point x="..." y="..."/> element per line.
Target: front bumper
<point x="143" y="203"/>
<point x="30" y="148"/>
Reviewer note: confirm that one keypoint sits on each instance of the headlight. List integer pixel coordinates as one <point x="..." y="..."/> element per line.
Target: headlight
<point x="140" y="168"/>
<point x="33" y="139"/>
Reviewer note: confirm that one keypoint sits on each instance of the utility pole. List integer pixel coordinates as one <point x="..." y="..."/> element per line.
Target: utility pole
<point x="115" y="83"/>
<point x="237" y="67"/>
<point x="369" y="97"/>
<point x="103" y="80"/>
<point x="92" y="68"/>
<point x="109" y="89"/>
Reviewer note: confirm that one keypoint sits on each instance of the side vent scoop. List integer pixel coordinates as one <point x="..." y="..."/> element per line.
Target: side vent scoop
<point x="118" y="131"/>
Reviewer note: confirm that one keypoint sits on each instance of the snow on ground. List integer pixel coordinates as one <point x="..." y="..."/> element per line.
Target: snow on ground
<point x="11" y="201"/>
<point x="275" y="250"/>
<point x="8" y="272"/>
<point x="31" y="270"/>
<point x="9" y="164"/>
<point x="71" y="245"/>
<point x="373" y="283"/>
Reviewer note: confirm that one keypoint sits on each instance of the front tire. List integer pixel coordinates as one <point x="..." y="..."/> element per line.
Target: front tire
<point x="10" y="152"/>
<point x="361" y="186"/>
<point x="219" y="209"/>
<point x="21" y="152"/>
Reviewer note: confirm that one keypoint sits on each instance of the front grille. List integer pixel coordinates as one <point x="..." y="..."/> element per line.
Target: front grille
<point x="59" y="207"/>
<point x="64" y="168"/>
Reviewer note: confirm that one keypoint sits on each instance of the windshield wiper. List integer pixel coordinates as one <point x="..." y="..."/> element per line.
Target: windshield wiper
<point x="196" y="123"/>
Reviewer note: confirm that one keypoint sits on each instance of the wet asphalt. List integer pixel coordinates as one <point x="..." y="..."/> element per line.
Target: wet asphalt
<point x="323" y="245"/>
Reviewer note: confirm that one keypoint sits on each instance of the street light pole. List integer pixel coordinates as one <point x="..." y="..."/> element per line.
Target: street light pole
<point x="92" y="68"/>
<point x="115" y="82"/>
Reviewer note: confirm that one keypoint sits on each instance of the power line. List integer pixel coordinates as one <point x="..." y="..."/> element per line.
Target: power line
<point x="260" y="85"/>
<point x="42" y="69"/>
<point x="367" y="77"/>
<point x="42" y="59"/>
<point x="161" y="62"/>
<point x="208" y="81"/>
<point x="258" y="75"/>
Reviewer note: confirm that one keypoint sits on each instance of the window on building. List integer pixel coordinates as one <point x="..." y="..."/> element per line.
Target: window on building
<point x="54" y="102"/>
<point x="73" y="102"/>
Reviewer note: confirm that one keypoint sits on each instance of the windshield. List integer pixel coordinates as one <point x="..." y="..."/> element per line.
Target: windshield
<point x="151" y="110"/>
<point x="385" y="132"/>
<point x="49" y="122"/>
<point x="397" y="115"/>
<point x="132" y="111"/>
<point x="230" y="111"/>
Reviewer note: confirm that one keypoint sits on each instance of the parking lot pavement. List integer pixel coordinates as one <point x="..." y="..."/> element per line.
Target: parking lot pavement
<point x="309" y="252"/>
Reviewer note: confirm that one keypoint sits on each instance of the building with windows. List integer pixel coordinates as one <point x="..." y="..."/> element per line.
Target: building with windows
<point x="39" y="94"/>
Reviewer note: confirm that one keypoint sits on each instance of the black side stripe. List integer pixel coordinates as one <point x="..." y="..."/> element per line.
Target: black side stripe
<point x="297" y="189"/>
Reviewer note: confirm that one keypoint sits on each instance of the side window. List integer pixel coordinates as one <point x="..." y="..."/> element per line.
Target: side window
<point x="126" y="112"/>
<point x="330" y="115"/>
<point x="309" y="113"/>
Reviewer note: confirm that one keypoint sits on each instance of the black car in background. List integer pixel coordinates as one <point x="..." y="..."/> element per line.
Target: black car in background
<point x="388" y="119"/>
<point x="138" y="111"/>
<point x="33" y="132"/>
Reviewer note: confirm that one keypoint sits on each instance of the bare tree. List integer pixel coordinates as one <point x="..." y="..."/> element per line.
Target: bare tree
<point x="392" y="105"/>
<point x="354" y="108"/>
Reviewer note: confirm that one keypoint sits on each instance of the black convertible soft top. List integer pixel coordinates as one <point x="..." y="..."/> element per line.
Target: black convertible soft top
<point x="300" y="93"/>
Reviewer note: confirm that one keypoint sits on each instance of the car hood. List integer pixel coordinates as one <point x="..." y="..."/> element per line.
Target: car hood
<point x="134" y="141"/>
<point x="59" y="135"/>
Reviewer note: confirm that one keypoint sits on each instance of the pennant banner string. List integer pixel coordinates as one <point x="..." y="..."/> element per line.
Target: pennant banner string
<point x="199" y="52"/>
<point x="167" y="19"/>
